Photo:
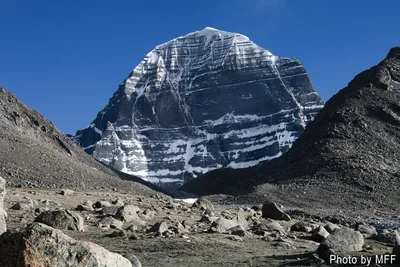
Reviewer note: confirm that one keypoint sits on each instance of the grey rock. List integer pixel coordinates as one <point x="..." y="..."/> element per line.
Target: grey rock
<point x="238" y="231"/>
<point x="330" y="227"/>
<point x="3" y="214"/>
<point x="366" y="230"/>
<point x="319" y="234"/>
<point x="26" y="247"/>
<point x="342" y="240"/>
<point x="24" y="206"/>
<point x="385" y="236"/>
<point x="110" y="222"/>
<point x="118" y="202"/>
<point x="272" y="211"/>
<point x="118" y="233"/>
<point x="134" y="260"/>
<point x="127" y="213"/>
<point x="176" y="101"/>
<point x="102" y="204"/>
<point x="158" y="228"/>
<point x="67" y="192"/>
<point x="61" y="219"/>
<point x="301" y="227"/>
<point x="235" y="238"/>
<point x="263" y="227"/>
<point x="203" y="204"/>
<point x="223" y="225"/>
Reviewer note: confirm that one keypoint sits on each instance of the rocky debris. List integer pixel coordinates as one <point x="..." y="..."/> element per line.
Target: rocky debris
<point x="223" y="225"/>
<point x="319" y="234"/>
<point x="158" y="228"/>
<point x="180" y="229"/>
<point x="342" y="240"/>
<point x="3" y="214"/>
<point x="24" y="206"/>
<point x="109" y="211"/>
<point x="272" y="211"/>
<point x="41" y="245"/>
<point x="239" y="231"/>
<point x="86" y="206"/>
<point x="127" y="213"/>
<point x="267" y="227"/>
<point x="330" y="227"/>
<point x="301" y="227"/>
<point x="61" y="219"/>
<point x="102" y="204"/>
<point x="67" y="192"/>
<point x="118" y="202"/>
<point x="110" y="222"/>
<point x="203" y="204"/>
<point x="385" y="236"/>
<point x="148" y="214"/>
<point x="366" y="230"/>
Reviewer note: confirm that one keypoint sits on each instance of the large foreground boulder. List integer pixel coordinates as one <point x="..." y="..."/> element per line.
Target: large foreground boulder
<point x="342" y="240"/>
<point x="39" y="245"/>
<point x="61" y="219"/>
<point x="3" y="213"/>
<point x="223" y="225"/>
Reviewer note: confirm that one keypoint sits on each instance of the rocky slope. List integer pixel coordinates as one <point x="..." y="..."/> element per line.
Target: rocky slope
<point x="34" y="153"/>
<point x="207" y="100"/>
<point x="347" y="157"/>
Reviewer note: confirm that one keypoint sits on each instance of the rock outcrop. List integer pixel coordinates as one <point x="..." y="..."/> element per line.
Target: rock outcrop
<point x="207" y="100"/>
<point x="39" y="245"/>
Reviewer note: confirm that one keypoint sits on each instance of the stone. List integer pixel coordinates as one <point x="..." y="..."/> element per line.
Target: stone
<point x="366" y="230"/>
<point x="301" y="227"/>
<point x="118" y="233"/>
<point x="61" y="219"/>
<point x="272" y="211"/>
<point x="110" y="222"/>
<point x="127" y="213"/>
<point x="118" y="202"/>
<point x="41" y="245"/>
<point x="396" y="248"/>
<point x="319" y="234"/>
<point x="67" y="192"/>
<point x="102" y="204"/>
<point x="238" y="231"/>
<point x="385" y="236"/>
<point x="203" y="204"/>
<point x="180" y="229"/>
<point x="330" y="227"/>
<point x="134" y="260"/>
<point x="3" y="214"/>
<point x="86" y="206"/>
<point x="342" y="240"/>
<point x="223" y="225"/>
<point x="235" y="238"/>
<point x="263" y="227"/>
<point x="24" y="206"/>
<point x="158" y="228"/>
<point x="109" y="211"/>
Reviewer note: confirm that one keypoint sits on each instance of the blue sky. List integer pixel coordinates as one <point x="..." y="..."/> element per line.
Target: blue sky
<point x="66" y="58"/>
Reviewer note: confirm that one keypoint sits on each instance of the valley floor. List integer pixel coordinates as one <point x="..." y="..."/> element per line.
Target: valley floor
<point x="192" y="247"/>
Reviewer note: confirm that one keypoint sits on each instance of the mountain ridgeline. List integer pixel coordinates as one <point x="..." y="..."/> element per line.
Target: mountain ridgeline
<point x="207" y="100"/>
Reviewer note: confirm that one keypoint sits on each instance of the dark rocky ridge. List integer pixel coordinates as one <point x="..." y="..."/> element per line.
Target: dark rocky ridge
<point x="34" y="153"/>
<point x="348" y="156"/>
<point x="206" y="100"/>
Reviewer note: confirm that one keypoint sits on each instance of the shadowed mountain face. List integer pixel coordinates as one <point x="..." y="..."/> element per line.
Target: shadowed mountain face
<point x="35" y="154"/>
<point x="350" y="150"/>
<point x="203" y="101"/>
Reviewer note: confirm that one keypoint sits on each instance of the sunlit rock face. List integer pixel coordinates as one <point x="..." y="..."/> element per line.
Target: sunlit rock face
<point x="207" y="100"/>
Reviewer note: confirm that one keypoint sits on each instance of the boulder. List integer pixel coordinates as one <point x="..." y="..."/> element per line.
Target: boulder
<point x="319" y="234"/>
<point x="66" y="192"/>
<point x="87" y="206"/>
<point x="262" y="228"/>
<point x="342" y="240"/>
<point x="127" y="213"/>
<point x="366" y="230"/>
<point x="158" y="228"/>
<point x="272" y="211"/>
<point x="61" y="219"/>
<point x="39" y="245"/>
<point x="330" y="227"/>
<point x="203" y="204"/>
<point x="223" y="225"/>
<point x="102" y="204"/>
<point x="3" y="214"/>
<point x="24" y="206"/>
<point x="110" y="222"/>
<point x="301" y="227"/>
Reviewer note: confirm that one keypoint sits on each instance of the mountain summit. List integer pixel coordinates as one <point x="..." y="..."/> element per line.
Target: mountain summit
<point x="206" y="100"/>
